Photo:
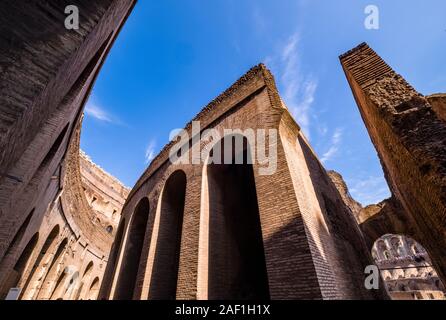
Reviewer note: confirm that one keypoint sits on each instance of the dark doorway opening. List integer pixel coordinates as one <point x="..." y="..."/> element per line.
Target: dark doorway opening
<point x="163" y="284"/>
<point x="237" y="267"/>
<point x="20" y="266"/>
<point x="132" y="256"/>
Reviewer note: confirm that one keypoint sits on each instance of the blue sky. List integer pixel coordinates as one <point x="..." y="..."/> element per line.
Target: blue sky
<point x="173" y="57"/>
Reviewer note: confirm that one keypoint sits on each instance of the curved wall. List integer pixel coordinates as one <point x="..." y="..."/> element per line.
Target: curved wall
<point x="48" y="235"/>
<point x="307" y="237"/>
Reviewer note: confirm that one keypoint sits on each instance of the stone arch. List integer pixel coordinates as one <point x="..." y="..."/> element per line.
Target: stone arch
<point x="79" y="291"/>
<point x="66" y="284"/>
<point x="380" y="247"/>
<point x="86" y="276"/>
<point x="60" y="283"/>
<point x="164" y="276"/>
<point x="88" y="270"/>
<point x="410" y="271"/>
<point x="19" y="234"/>
<point x="235" y="263"/>
<point x="395" y="246"/>
<point x="44" y="292"/>
<point x="387" y="275"/>
<point x="112" y="261"/>
<point x="54" y="147"/>
<point x="125" y="285"/>
<point x="71" y="286"/>
<point x="93" y="290"/>
<point x="39" y="269"/>
<point x="408" y="267"/>
<point x="20" y="266"/>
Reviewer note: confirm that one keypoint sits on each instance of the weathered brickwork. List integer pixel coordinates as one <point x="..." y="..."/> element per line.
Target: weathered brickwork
<point x="313" y="248"/>
<point x="438" y="103"/>
<point x="409" y="134"/>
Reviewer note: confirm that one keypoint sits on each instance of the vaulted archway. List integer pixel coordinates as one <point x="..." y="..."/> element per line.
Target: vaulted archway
<point x="164" y="277"/>
<point x="20" y="266"/>
<point x="132" y="254"/>
<point x="39" y="269"/>
<point x="94" y="289"/>
<point x="44" y="292"/>
<point x="236" y="258"/>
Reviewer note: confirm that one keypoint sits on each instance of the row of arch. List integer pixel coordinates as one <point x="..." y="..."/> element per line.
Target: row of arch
<point x="405" y="265"/>
<point x="231" y="239"/>
<point x="43" y="268"/>
<point x="14" y="246"/>
<point x="41" y="274"/>
<point x="391" y="247"/>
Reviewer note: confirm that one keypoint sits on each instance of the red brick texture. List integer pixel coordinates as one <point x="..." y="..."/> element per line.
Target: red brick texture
<point x="409" y="135"/>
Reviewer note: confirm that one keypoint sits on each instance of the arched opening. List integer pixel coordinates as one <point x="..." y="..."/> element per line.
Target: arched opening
<point x="45" y="291"/>
<point x="79" y="291"/>
<point x="55" y="147"/>
<point x="163" y="282"/>
<point x="70" y="289"/>
<point x="112" y="261"/>
<point x="132" y="253"/>
<point x="413" y="275"/>
<point x="19" y="234"/>
<point x="66" y="284"/>
<point x="118" y="239"/>
<point x="39" y="267"/>
<point x="88" y="270"/>
<point x="20" y="266"/>
<point x="59" y="287"/>
<point x="94" y="289"/>
<point x="236" y="262"/>
<point x="85" y="279"/>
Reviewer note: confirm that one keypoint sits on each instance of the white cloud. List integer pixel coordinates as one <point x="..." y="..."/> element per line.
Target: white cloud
<point x="371" y="190"/>
<point x="336" y="140"/>
<point x="298" y="89"/>
<point x="150" y="152"/>
<point x="97" y="112"/>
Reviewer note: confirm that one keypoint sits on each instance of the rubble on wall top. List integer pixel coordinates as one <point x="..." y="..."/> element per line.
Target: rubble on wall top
<point x="86" y="157"/>
<point x="362" y="45"/>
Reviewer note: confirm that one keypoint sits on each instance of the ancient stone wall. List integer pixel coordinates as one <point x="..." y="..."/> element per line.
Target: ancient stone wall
<point x="105" y="194"/>
<point x="406" y="269"/>
<point x="313" y="248"/>
<point x="47" y="234"/>
<point x="438" y="103"/>
<point x="410" y="138"/>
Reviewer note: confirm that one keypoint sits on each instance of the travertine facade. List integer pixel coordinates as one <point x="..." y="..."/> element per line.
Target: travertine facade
<point x="105" y="194"/>
<point x="406" y="269"/>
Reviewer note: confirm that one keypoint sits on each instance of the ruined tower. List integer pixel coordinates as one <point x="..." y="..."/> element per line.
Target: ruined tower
<point x="408" y="131"/>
